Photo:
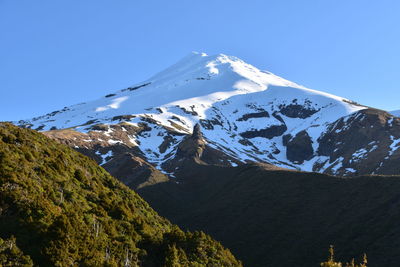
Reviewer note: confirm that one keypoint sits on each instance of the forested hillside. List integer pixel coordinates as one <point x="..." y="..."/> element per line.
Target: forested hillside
<point x="59" y="208"/>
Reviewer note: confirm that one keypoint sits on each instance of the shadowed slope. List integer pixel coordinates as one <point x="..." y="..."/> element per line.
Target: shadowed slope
<point x="285" y="218"/>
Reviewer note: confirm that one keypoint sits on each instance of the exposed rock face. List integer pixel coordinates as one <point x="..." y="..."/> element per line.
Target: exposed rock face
<point x="297" y="111"/>
<point x="194" y="149"/>
<point x="134" y="171"/>
<point x="261" y="114"/>
<point x="364" y="143"/>
<point x="192" y="146"/>
<point x="299" y="148"/>
<point x="270" y="132"/>
<point x="112" y="148"/>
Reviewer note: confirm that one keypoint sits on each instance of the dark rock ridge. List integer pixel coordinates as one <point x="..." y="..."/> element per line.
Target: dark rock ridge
<point x="299" y="148"/>
<point x="192" y="146"/>
<point x="195" y="149"/>
<point x="297" y="111"/>
<point x="270" y="132"/>
<point x="363" y="143"/>
<point x="261" y="114"/>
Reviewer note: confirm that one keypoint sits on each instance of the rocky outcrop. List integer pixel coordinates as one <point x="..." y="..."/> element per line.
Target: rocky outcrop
<point x="261" y="114"/>
<point x="297" y="111"/>
<point x="113" y="148"/>
<point x="363" y="143"/>
<point x="299" y="148"/>
<point x="192" y="146"/>
<point x="270" y="132"/>
<point x="134" y="171"/>
<point x="195" y="149"/>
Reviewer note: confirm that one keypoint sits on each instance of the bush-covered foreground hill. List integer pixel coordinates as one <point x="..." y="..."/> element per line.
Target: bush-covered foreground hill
<point x="58" y="208"/>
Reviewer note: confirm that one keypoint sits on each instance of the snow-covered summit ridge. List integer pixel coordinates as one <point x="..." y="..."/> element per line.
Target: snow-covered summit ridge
<point x="227" y="68"/>
<point x="196" y="80"/>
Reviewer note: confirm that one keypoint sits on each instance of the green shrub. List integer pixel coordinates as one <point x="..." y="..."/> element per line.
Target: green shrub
<point x="332" y="263"/>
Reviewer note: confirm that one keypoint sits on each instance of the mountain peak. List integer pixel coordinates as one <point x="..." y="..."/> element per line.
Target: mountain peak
<point x="196" y="65"/>
<point x="239" y="108"/>
<point x="196" y="80"/>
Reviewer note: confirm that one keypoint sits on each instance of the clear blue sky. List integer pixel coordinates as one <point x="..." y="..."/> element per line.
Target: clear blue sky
<point x="58" y="53"/>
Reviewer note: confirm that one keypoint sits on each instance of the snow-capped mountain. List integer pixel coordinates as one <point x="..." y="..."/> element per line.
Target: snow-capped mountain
<point x="244" y="113"/>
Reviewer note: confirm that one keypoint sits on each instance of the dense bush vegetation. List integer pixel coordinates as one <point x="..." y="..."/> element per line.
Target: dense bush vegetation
<point x="11" y="255"/>
<point x="58" y="208"/>
<point x="331" y="262"/>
